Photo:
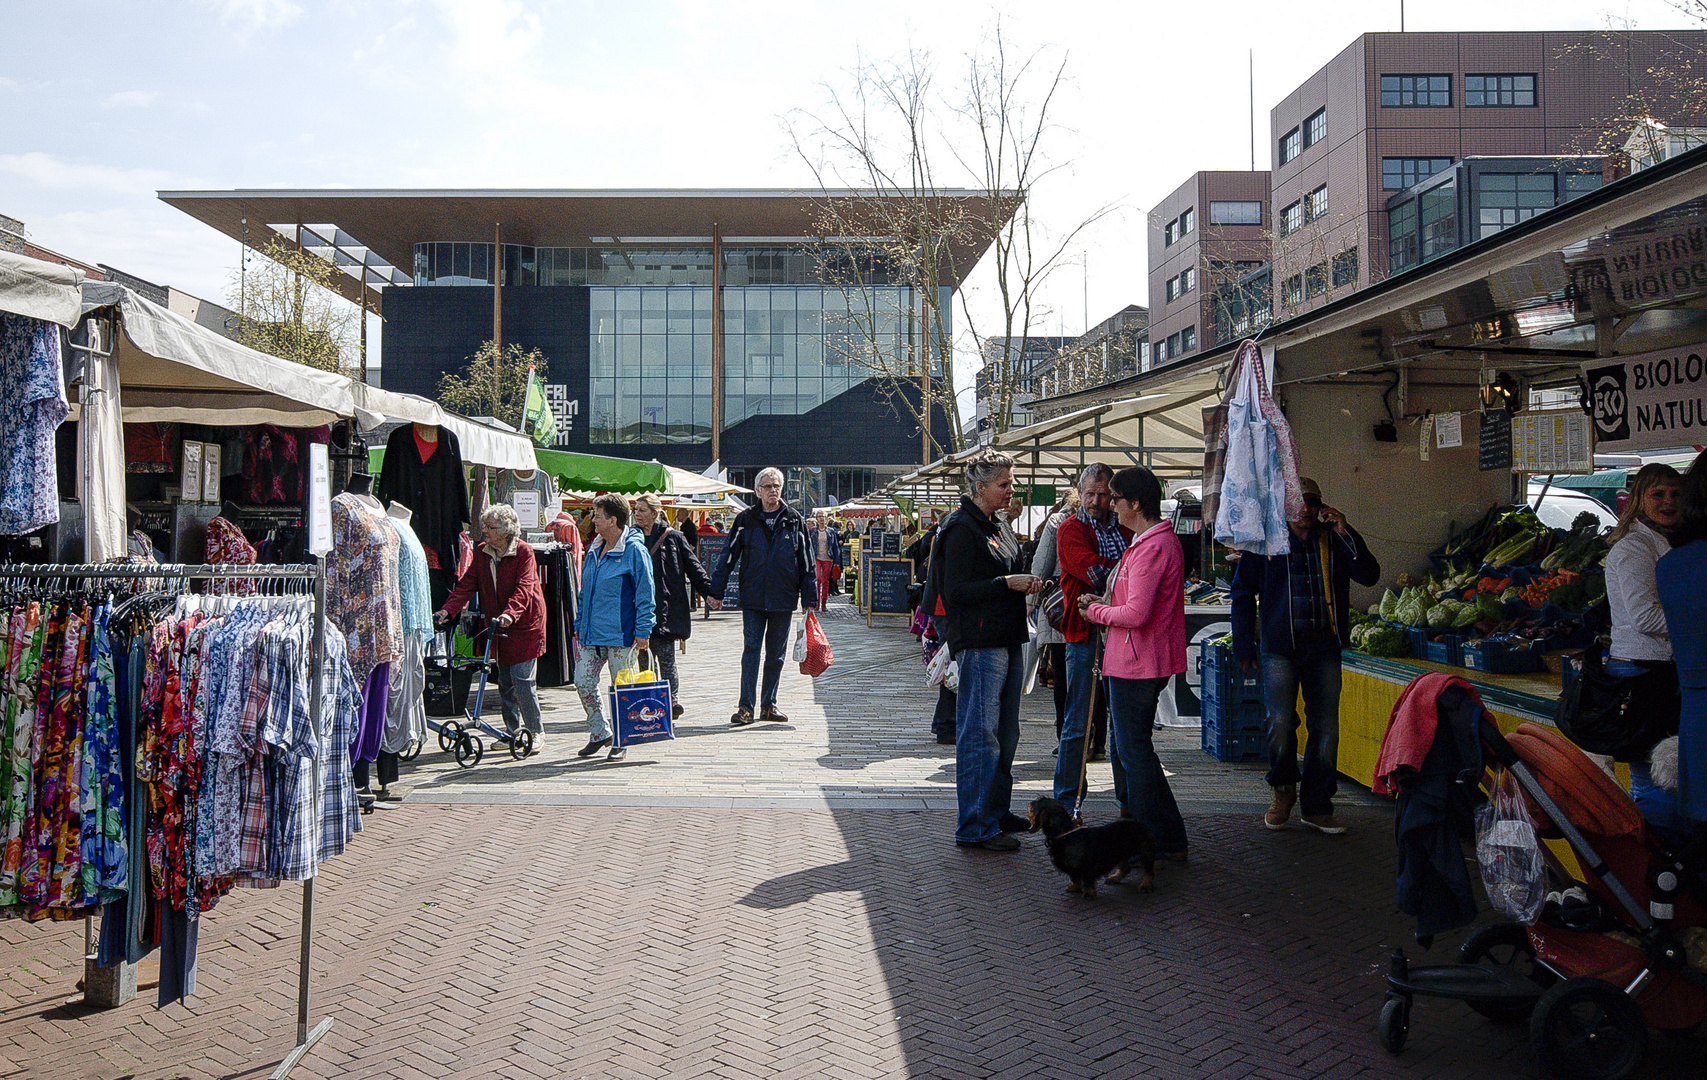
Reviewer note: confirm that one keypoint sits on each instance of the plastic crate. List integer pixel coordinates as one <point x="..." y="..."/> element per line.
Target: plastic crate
<point x="1500" y="658"/>
<point x="1234" y="742"/>
<point x="1448" y="650"/>
<point x="1222" y="680"/>
<point x="1242" y="718"/>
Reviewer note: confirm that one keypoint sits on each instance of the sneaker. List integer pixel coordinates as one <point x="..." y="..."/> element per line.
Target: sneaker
<point x="773" y="714"/>
<point x="538" y="743"/>
<point x="617" y="753"/>
<point x="743" y="716"/>
<point x="1323" y="823"/>
<point x="592" y="747"/>
<point x="999" y="842"/>
<point x="676" y="711"/>
<point x="1285" y="797"/>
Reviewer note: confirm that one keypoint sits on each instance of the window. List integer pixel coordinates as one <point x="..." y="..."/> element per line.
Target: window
<point x="1170" y="233"/>
<point x="1580" y="184"/>
<point x="1172" y="289"/>
<point x="1178" y="227"/>
<point x="1315" y="128"/>
<point x="1491" y="90"/>
<point x="1399" y="173"/>
<point x="1187" y="220"/>
<point x="1181" y="283"/>
<point x="1291" y="219"/>
<point x="1508" y="198"/>
<point x="1316" y="280"/>
<point x="1173" y="345"/>
<point x="1188" y="339"/>
<point x="1235" y="213"/>
<point x="1402" y="236"/>
<point x="1316" y="204"/>
<point x="1437" y="212"/>
<point x="1416" y="91"/>
<point x="1345" y="268"/>
<point x="1292" y="292"/>
<point x="1289" y="146"/>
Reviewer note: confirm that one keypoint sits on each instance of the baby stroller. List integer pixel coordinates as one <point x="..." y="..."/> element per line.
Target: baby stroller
<point x="1590" y="978"/>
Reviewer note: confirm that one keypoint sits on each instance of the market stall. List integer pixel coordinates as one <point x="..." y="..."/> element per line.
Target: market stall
<point x="1410" y="402"/>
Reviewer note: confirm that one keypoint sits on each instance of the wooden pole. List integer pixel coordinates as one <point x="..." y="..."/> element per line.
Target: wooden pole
<point x="716" y="344"/>
<point x="497" y="313"/>
<point x="925" y="385"/>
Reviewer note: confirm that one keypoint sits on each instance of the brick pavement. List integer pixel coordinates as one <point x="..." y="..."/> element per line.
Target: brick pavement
<point x="781" y="902"/>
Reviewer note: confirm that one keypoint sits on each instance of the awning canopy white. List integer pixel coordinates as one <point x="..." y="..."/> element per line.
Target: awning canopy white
<point x="40" y="290"/>
<point x="684" y="482"/>
<point x="481" y="444"/>
<point x="171" y="369"/>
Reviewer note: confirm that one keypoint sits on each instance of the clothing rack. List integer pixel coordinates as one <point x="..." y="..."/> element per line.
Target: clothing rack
<point x="312" y="572"/>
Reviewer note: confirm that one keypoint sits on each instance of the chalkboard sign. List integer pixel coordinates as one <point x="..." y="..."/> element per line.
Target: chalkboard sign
<point x="891" y="544"/>
<point x="711" y="550"/>
<point x="1494" y="447"/>
<point x="890" y="580"/>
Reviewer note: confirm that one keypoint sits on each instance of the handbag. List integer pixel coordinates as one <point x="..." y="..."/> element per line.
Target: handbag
<point x="640" y="707"/>
<point x="1621" y="716"/>
<point x="1052" y="603"/>
<point x="819" y="655"/>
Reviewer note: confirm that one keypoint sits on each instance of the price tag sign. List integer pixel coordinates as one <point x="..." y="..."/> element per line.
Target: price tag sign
<point x="1449" y="430"/>
<point x="319" y="499"/>
<point x="210" y="472"/>
<point x="526" y="506"/>
<point x="190" y="482"/>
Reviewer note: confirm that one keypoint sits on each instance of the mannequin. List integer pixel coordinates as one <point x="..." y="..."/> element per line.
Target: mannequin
<point x="424" y="471"/>
<point x="364" y="601"/>
<point x="361" y="483"/>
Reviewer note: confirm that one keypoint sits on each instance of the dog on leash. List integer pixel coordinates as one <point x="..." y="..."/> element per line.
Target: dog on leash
<point x="1086" y="853"/>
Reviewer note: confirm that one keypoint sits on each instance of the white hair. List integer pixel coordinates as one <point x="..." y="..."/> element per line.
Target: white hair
<point x="501" y="516"/>
<point x="763" y="473"/>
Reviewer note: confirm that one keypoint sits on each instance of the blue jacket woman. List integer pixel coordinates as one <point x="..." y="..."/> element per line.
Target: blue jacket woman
<point x="617" y="594"/>
<point x="1681" y="575"/>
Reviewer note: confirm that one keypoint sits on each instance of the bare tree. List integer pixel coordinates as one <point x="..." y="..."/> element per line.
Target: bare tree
<point x="893" y="136"/>
<point x="286" y="306"/>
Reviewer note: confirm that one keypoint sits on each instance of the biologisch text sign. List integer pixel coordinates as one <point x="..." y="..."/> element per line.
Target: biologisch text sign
<point x="1652" y="400"/>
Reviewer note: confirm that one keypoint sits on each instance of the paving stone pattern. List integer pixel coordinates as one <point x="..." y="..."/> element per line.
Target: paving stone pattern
<point x="782" y="901"/>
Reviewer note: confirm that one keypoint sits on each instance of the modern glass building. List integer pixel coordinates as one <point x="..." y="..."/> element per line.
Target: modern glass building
<point x="682" y="326"/>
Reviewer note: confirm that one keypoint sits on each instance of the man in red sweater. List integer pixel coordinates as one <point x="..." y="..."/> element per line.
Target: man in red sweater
<point x="1089" y="545"/>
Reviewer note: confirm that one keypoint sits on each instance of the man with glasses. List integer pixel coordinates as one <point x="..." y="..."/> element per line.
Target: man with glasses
<point x="1088" y="546"/>
<point x="1303" y="598"/>
<point x="768" y="542"/>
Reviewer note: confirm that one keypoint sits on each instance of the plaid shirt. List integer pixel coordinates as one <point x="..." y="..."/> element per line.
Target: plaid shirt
<point x="1310" y="620"/>
<point x="340" y="715"/>
<point x="1110" y="545"/>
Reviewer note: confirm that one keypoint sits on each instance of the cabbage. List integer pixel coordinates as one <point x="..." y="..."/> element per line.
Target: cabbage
<point x="1439" y="617"/>
<point x="1466" y="617"/>
<point x="1389" y="606"/>
<point x="1488" y="608"/>
<point x="1375" y="610"/>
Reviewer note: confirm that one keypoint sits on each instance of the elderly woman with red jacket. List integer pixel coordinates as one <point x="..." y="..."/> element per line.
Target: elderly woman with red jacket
<point x="506" y="578"/>
<point x="1145" y="648"/>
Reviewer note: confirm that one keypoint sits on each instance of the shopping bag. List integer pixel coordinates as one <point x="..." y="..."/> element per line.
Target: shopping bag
<point x="640" y="708"/>
<point x="819" y="657"/>
<point x="1509" y="855"/>
<point x="936" y="668"/>
<point x="800" y="641"/>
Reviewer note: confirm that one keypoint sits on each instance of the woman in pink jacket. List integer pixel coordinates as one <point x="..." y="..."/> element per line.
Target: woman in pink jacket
<point x="1145" y="648"/>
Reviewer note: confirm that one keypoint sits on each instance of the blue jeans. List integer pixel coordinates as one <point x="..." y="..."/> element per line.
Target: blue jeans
<point x="1077" y="717"/>
<point x="987" y="733"/>
<point x="771" y="629"/>
<point x="1140" y="784"/>
<point x="1315" y="669"/>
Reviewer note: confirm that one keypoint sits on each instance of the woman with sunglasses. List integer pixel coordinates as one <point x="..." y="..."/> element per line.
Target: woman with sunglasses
<point x="1145" y="648"/>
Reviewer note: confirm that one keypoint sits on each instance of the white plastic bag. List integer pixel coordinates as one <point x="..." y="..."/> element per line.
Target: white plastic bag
<point x="1509" y="854"/>
<point x="800" y="642"/>
<point x="937" y="666"/>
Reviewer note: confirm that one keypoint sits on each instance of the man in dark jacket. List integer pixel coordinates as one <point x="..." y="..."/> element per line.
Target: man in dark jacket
<point x="1304" y="597"/>
<point x="769" y="540"/>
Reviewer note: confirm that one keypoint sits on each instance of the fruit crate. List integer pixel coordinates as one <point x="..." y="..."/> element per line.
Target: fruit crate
<point x="1501" y="658"/>
<point x="1240" y="734"/>
<point x="1222" y="681"/>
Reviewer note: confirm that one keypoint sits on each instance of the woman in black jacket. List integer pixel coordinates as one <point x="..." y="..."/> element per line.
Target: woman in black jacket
<point x="980" y="589"/>
<point x="674" y="564"/>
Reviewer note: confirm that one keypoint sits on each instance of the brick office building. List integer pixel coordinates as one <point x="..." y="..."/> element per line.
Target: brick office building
<point x="1210" y="233"/>
<point x="1391" y="110"/>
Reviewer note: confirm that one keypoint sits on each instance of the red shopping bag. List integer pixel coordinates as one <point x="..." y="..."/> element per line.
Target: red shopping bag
<point x="819" y="656"/>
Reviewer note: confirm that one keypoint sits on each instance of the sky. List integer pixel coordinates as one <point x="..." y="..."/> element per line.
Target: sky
<point x="104" y="102"/>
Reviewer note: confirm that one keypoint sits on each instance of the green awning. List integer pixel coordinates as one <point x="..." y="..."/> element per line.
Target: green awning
<point x="583" y="472"/>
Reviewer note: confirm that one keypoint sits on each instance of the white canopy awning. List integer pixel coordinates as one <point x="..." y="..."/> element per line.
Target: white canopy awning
<point x="40" y="290"/>
<point x="685" y="482"/>
<point x="481" y="444"/>
<point x="172" y="369"/>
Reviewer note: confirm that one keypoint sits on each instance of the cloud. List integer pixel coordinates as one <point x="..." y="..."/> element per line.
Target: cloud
<point x="7" y="84"/>
<point x="130" y="99"/>
<point x="49" y="171"/>
<point x="257" y="14"/>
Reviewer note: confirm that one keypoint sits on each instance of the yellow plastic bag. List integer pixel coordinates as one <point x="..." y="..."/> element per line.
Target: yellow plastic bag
<point x="635" y="674"/>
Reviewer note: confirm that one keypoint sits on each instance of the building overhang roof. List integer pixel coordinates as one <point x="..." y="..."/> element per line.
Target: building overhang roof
<point x="371" y="234"/>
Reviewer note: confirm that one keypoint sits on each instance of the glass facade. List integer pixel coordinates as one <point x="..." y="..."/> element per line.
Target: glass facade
<point x="470" y="264"/>
<point x="1508" y="198"/>
<point x="787" y="350"/>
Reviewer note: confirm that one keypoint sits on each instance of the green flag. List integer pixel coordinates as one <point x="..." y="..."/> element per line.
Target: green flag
<point x="536" y="413"/>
